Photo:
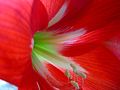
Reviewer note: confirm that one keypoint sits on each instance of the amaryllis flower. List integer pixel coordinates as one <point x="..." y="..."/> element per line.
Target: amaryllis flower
<point x="60" y="44"/>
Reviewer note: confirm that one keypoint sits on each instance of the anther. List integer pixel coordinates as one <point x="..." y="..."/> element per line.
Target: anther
<point x="67" y="73"/>
<point x="73" y="67"/>
<point x="82" y="74"/>
<point x="75" y="84"/>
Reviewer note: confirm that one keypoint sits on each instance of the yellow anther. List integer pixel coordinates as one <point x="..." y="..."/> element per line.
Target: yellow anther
<point x="82" y="74"/>
<point x="75" y="84"/>
<point x="73" y="67"/>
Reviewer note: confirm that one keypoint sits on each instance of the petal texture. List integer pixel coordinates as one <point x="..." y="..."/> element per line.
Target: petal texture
<point x="15" y="38"/>
<point x="75" y="9"/>
<point x="91" y="15"/>
<point x="91" y="40"/>
<point x="114" y="45"/>
<point x="39" y="16"/>
<point x="103" y="68"/>
<point x="52" y="6"/>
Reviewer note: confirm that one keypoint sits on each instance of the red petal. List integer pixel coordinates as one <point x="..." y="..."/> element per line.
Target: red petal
<point x="99" y="14"/>
<point x="91" y="40"/>
<point x="63" y="83"/>
<point x="39" y="17"/>
<point x="74" y="11"/>
<point x="15" y="38"/>
<point x="44" y="85"/>
<point x="57" y="73"/>
<point x="34" y="81"/>
<point x="94" y="15"/>
<point x="103" y="68"/>
<point x="52" y="6"/>
<point x="29" y="80"/>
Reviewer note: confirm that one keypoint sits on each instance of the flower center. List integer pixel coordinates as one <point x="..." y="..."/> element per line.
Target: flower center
<point x="46" y="47"/>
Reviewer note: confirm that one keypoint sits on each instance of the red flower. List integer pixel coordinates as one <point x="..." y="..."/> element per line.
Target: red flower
<point x="60" y="44"/>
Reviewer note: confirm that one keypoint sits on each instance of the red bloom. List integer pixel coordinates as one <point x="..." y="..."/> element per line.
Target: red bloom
<point x="60" y="44"/>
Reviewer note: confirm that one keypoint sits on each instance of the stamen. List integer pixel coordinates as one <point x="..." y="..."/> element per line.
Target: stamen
<point x="82" y="74"/>
<point x="44" y="50"/>
<point x="75" y="84"/>
<point x="74" y="68"/>
<point x="59" y="15"/>
<point x="67" y="73"/>
<point x="74" y="80"/>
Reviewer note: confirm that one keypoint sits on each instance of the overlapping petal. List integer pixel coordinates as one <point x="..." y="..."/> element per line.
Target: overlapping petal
<point x="75" y="10"/>
<point x="39" y="16"/>
<point x="52" y="6"/>
<point x="19" y="20"/>
<point x="63" y="82"/>
<point x="36" y="82"/>
<point x="91" y="40"/>
<point x="92" y="15"/>
<point x="15" y="38"/>
<point x="103" y="68"/>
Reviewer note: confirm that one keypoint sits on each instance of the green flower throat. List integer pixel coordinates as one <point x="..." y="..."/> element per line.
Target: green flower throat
<point x="46" y="51"/>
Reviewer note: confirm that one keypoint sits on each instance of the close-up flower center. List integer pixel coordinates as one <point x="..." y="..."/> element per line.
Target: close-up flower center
<point x="46" y="51"/>
<point x="60" y="44"/>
